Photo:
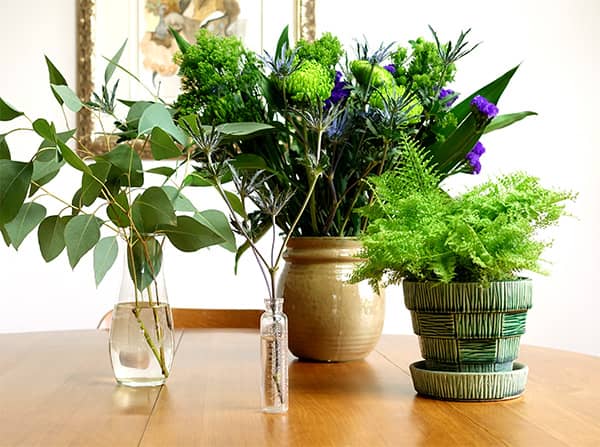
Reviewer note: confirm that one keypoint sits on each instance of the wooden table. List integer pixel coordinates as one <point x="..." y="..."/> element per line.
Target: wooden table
<point x="56" y="389"/>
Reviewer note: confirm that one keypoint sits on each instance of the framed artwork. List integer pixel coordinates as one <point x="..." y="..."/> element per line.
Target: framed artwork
<point x="104" y="25"/>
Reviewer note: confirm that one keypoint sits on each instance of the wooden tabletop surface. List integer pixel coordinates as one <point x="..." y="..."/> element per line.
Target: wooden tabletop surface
<point x="56" y="389"/>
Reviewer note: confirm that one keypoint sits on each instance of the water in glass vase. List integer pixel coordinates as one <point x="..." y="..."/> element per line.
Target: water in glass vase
<point x="141" y="343"/>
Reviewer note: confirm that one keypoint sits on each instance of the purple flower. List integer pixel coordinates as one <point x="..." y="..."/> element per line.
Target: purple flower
<point x="339" y="93"/>
<point x="478" y="149"/>
<point x="391" y="68"/>
<point x="448" y="92"/>
<point x="473" y="157"/>
<point x="484" y="106"/>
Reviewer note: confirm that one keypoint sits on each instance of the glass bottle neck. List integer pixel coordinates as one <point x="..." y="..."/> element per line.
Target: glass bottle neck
<point x="274" y="306"/>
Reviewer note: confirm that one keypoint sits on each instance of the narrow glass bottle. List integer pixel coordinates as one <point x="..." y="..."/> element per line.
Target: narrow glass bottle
<point x="141" y="334"/>
<point x="274" y="357"/>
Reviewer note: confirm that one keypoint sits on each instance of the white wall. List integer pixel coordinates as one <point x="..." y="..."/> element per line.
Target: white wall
<point x="555" y="40"/>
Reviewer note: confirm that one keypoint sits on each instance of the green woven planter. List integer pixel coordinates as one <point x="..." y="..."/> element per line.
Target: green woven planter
<point x="465" y="327"/>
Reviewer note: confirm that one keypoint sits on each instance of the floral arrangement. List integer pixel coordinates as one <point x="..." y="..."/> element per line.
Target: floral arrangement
<point x="339" y="118"/>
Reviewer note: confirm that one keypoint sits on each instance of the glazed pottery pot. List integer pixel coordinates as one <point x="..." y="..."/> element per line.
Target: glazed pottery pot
<point x="467" y="326"/>
<point x="329" y="318"/>
<point x="469" y="336"/>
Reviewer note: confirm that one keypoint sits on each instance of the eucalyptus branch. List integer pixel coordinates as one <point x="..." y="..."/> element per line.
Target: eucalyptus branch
<point x="137" y="79"/>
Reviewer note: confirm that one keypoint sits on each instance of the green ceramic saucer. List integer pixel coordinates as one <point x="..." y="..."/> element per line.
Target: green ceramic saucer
<point x="469" y="386"/>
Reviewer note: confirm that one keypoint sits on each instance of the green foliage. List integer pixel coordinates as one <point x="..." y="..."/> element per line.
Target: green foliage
<point x="28" y="218"/>
<point x="326" y="50"/>
<point x="8" y="112"/>
<point x="418" y="232"/>
<point x="339" y="128"/>
<point x="14" y="183"/>
<point x="105" y="254"/>
<point x="219" y="79"/>
<point x="112" y="195"/>
<point x="423" y="69"/>
<point x="81" y="235"/>
<point x="51" y="236"/>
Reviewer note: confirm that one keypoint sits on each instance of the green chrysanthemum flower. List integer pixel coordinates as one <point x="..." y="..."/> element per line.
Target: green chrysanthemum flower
<point x="379" y="77"/>
<point x="310" y="83"/>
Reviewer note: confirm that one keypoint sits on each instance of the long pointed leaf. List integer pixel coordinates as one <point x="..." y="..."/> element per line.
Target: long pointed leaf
<point x="72" y="158"/>
<point x="505" y="120"/>
<point x="55" y="77"/>
<point x="183" y="44"/>
<point x="283" y="41"/>
<point x="112" y="64"/>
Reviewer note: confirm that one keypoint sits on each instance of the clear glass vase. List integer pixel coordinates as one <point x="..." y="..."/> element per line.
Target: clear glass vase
<point x="274" y="357"/>
<point x="141" y="334"/>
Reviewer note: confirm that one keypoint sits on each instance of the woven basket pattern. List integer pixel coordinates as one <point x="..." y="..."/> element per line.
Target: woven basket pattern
<point x="467" y="327"/>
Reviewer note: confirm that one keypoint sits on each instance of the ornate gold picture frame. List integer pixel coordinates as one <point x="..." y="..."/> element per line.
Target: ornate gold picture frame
<point x="303" y="28"/>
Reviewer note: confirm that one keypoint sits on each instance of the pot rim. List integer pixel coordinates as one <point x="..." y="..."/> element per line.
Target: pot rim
<point x="481" y="283"/>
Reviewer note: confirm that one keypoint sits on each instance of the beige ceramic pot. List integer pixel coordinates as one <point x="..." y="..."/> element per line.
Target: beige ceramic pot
<point x="329" y="318"/>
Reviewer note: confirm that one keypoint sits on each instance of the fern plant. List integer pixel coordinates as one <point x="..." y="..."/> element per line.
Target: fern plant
<point x="490" y="233"/>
